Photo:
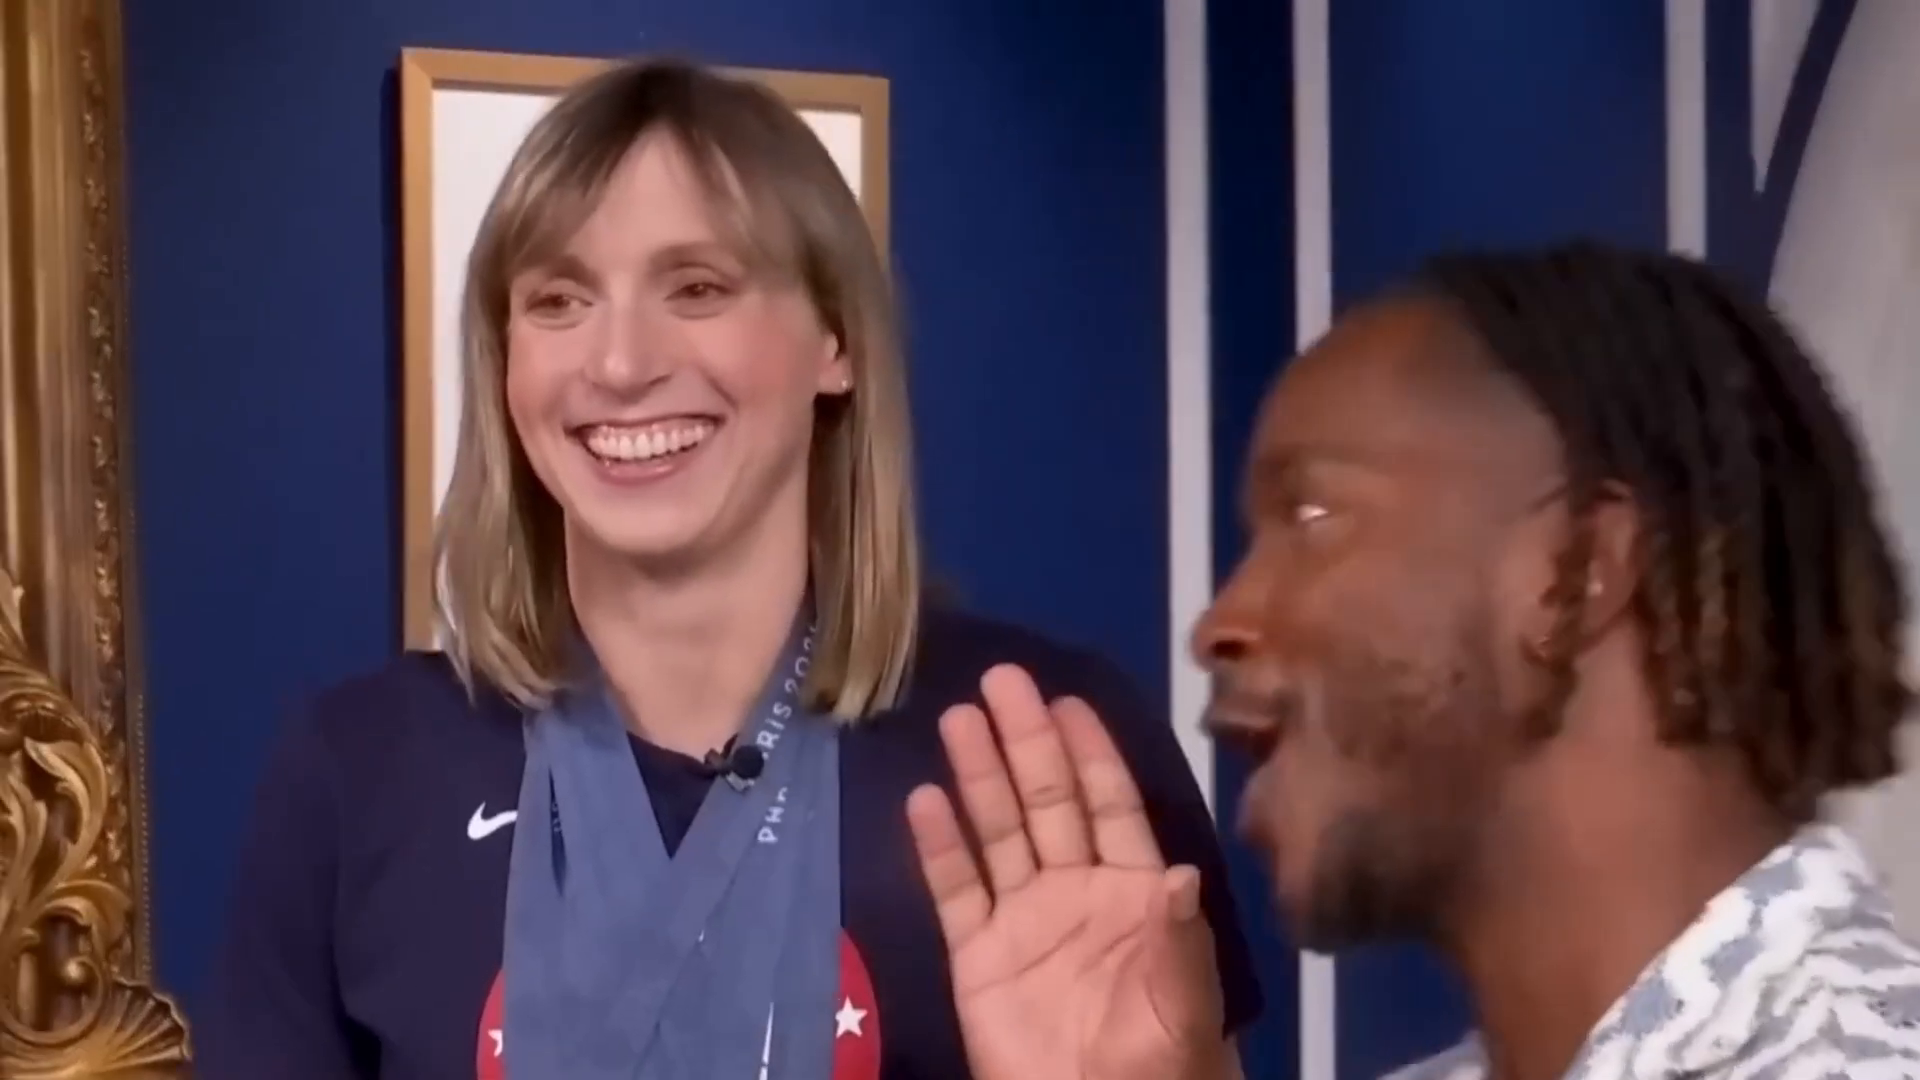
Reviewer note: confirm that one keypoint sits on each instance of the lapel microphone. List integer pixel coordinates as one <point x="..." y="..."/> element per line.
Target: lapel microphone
<point x="739" y="765"/>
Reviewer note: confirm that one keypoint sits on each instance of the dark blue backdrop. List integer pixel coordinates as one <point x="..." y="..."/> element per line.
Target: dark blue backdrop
<point x="1028" y="225"/>
<point x="1490" y="123"/>
<point x="1250" y="161"/>
<point x="1496" y="122"/>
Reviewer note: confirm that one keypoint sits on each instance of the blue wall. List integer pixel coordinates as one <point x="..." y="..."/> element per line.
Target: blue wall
<point x="1028" y="225"/>
<point x="1495" y="123"/>
<point x="1251" y="242"/>
<point x="1498" y="122"/>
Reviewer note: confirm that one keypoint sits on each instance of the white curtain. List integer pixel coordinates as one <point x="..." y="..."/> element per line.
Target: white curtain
<point x="1847" y="277"/>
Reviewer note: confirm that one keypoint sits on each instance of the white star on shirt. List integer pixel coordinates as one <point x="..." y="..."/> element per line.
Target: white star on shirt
<point x="499" y="1041"/>
<point x="847" y="1020"/>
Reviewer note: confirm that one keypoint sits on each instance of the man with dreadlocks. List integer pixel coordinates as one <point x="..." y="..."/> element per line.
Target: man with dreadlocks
<point x="1567" y="602"/>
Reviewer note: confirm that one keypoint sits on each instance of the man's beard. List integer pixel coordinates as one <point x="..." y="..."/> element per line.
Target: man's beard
<point x="1371" y="883"/>
<point x="1435" y="737"/>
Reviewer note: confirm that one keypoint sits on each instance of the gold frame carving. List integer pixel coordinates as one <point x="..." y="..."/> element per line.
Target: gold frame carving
<point x="76" y="969"/>
<point x="421" y="72"/>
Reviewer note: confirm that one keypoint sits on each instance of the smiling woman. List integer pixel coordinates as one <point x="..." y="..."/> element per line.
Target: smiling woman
<point x="464" y="113"/>
<point x="668" y="226"/>
<point x="678" y="545"/>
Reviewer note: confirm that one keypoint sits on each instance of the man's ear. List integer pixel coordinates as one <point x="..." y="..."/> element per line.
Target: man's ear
<point x="1606" y="587"/>
<point x="1613" y="564"/>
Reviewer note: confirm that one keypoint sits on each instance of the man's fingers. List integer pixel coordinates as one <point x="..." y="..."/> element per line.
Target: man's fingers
<point x="959" y="895"/>
<point x="987" y="793"/>
<point x="1042" y="773"/>
<point x="1122" y="835"/>
<point x="1183" y="979"/>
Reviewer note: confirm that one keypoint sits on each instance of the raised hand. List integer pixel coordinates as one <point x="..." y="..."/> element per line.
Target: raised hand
<point x="1077" y="955"/>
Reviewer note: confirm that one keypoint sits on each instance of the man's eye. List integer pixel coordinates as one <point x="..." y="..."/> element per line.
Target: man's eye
<point x="1302" y="512"/>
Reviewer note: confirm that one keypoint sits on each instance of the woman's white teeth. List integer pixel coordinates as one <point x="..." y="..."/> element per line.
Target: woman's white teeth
<point x="645" y="444"/>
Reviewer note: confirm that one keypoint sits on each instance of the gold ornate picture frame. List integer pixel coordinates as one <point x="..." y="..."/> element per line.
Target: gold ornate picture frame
<point x="476" y="106"/>
<point x="76" y="969"/>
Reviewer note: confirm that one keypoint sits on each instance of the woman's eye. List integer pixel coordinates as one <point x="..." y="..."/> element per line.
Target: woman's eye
<point x="551" y="303"/>
<point x="700" y="290"/>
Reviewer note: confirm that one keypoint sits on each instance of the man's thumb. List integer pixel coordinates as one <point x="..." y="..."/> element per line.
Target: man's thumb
<point x="1183" y="979"/>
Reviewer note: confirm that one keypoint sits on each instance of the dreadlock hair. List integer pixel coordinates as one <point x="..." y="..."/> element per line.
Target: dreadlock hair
<point x="1773" y="605"/>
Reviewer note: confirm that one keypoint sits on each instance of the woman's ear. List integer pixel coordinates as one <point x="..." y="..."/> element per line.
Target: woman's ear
<point x="836" y="369"/>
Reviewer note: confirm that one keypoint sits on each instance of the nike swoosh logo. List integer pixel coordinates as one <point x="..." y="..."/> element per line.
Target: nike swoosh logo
<point x="480" y="825"/>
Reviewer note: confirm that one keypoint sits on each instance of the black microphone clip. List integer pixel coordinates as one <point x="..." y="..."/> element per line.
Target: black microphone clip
<point x="740" y="764"/>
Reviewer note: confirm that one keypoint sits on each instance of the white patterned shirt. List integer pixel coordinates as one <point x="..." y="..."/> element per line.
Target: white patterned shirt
<point x="1794" y="972"/>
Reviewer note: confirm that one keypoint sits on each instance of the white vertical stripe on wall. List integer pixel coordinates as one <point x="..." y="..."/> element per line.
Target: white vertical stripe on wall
<point x="1313" y="312"/>
<point x="1189" y="372"/>
<point x="1687" y="127"/>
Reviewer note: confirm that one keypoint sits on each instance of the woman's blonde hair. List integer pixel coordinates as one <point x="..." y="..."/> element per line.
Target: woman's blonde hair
<point x="500" y="559"/>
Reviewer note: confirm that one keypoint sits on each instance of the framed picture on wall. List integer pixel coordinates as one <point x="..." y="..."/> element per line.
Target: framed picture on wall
<point x="462" y="116"/>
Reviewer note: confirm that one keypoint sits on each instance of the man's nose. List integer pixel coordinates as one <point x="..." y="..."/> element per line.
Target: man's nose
<point x="1228" y="632"/>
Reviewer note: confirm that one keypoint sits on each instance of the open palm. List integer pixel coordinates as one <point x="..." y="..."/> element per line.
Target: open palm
<point x="1077" y="955"/>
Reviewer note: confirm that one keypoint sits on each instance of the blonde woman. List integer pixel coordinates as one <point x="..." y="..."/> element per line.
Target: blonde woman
<point x="644" y="817"/>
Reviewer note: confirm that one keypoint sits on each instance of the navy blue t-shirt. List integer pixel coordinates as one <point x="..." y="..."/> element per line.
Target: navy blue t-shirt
<point x="364" y="938"/>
